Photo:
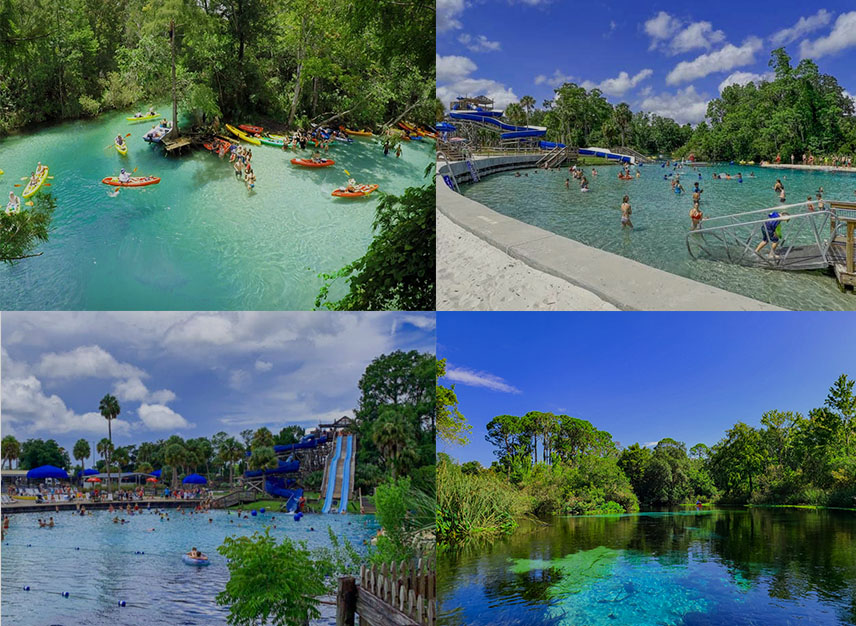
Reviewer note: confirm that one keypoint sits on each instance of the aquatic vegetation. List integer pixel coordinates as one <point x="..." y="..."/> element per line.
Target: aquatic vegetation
<point x="578" y="570"/>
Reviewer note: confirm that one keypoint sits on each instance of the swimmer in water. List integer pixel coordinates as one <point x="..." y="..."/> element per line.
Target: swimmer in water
<point x="626" y="212"/>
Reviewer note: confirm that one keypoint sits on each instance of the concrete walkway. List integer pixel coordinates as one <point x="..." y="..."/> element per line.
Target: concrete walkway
<point x="622" y="282"/>
<point x="819" y="168"/>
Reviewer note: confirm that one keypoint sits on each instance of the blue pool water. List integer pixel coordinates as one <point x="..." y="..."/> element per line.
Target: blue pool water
<point x="719" y="567"/>
<point x="157" y="586"/>
<point x="661" y="221"/>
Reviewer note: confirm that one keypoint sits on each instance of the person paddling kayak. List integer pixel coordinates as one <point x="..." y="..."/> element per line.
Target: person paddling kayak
<point x="14" y="204"/>
<point x="124" y="176"/>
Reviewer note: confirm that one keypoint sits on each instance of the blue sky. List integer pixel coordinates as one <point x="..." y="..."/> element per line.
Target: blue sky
<point x="641" y="376"/>
<point x="661" y="57"/>
<point x="193" y="374"/>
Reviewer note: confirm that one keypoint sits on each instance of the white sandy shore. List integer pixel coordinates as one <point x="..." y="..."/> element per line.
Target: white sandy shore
<point x="472" y="275"/>
<point x="819" y="168"/>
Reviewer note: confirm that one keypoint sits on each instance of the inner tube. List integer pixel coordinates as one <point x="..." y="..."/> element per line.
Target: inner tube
<point x="197" y="562"/>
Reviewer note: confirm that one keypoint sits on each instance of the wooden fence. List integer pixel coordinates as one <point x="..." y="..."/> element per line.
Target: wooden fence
<point x="395" y="594"/>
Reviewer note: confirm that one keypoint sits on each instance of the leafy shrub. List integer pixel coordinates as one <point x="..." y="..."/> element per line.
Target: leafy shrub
<point x="90" y="106"/>
<point x="312" y="481"/>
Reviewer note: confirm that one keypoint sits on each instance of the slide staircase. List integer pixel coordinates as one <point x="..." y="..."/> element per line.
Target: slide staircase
<point x="338" y="479"/>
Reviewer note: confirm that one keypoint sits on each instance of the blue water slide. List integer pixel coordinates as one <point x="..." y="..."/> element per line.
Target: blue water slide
<point x="346" y="475"/>
<point x="284" y="467"/>
<point x="331" y="476"/>
<point x="303" y="445"/>
<point x="485" y="119"/>
<point x="605" y="154"/>
<point x="520" y="134"/>
<point x="549" y="145"/>
<point x="276" y="486"/>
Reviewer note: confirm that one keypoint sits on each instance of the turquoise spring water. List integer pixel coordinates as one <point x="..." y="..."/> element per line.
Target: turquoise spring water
<point x="96" y="561"/>
<point x="661" y="221"/>
<point x="719" y="567"/>
<point x="198" y="240"/>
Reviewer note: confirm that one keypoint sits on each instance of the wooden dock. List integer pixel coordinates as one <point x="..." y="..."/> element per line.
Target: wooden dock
<point x="843" y="248"/>
<point x="175" y="143"/>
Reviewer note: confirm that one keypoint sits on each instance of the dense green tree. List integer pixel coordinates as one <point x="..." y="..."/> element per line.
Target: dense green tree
<point x="11" y="449"/>
<point x="23" y="230"/>
<point x="288" y="435"/>
<point x="36" y="452"/>
<point x="452" y="426"/>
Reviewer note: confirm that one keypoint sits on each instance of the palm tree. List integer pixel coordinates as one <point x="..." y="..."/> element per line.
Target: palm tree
<point x="231" y="451"/>
<point x="528" y="104"/>
<point x="175" y="455"/>
<point x="392" y="437"/>
<point x="11" y="449"/>
<point x="262" y="438"/>
<point x="109" y="408"/>
<point x="81" y="452"/>
<point x="622" y="116"/>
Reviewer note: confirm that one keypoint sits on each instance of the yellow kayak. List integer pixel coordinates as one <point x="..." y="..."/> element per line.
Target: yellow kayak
<point x="242" y="135"/>
<point x="123" y="149"/>
<point x="31" y="188"/>
<point x="358" y="133"/>
<point x="153" y="116"/>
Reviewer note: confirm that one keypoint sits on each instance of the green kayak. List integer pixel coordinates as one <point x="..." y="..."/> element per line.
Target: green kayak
<point x="270" y="142"/>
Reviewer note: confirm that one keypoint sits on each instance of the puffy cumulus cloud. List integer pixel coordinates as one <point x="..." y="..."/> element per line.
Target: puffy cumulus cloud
<point x="743" y="78"/>
<point x="496" y="91"/>
<point x="135" y="390"/>
<point x="803" y="26"/>
<point x="263" y="366"/>
<point x="161" y="417"/>
<point x="448" y="12"/>
<point x="473" y="378"/>
<point x="29" y="411"/>
<point x="696" y="35"/>
<point x="86" y="362"/>
<point x="685" y="106"/>
<point x="722" y="60"/>
<point x="843" y="35"/>
<point x="422" y="322"/>
<point x="661" y="27"/>
<point x="205" y="328"/>
<point x="479" y="43"/>
<point x="451" y="68"/>
<point x="619" y="85"/>
<point x="556" y="80"/>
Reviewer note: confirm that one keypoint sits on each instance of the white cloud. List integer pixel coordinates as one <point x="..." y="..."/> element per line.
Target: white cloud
<point x="696" y="35"/>
<point x="661" y="27"/>
<point x="263" y="366"/>
<point x="556" y="80"/>
<point x="422" y="322"/>
<point x="204" y="328"/>
<point x="843" y="35"/>
<point x="135" y="390"/>
<point x="473" y="378"/>
<point x="86" y="362"/>
<point x="803" y="26"/>
<point x="685" y="106"/>
<point x="451" y="68"/>
<point x="619" y="85"/>
<point x="496" y="91"/>
<point x="727" y="58"/>
<point x="743" y="78"/>
<point x="29" y="411"/>
<point x="448" y="12"/>
<point x="238" y="378"/>
<point x="161" y="417"/>
<point x="479" y="43"/>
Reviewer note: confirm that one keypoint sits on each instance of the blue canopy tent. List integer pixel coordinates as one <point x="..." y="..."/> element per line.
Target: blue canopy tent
<point x="90" y="472"/>
<point x="195" y="479"/>
<point x="156" y="473"/>
<point x="47" y="471"/>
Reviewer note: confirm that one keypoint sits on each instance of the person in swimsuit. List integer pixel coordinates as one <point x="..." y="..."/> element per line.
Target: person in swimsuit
<point x="771" y="232"/>
<point x="14" y="204"/>
<point x="626" y="212"/>
<point x="696" y="216"/>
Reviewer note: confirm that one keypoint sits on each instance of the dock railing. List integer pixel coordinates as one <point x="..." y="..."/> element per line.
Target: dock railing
<point x="395" y="594"/>
<point x="805" y="239"/>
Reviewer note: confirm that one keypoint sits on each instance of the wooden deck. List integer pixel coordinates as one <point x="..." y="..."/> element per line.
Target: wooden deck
<point x="175" y="143"/>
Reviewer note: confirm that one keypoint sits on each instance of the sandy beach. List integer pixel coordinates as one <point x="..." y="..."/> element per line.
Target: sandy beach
<point x="472" y="275"/>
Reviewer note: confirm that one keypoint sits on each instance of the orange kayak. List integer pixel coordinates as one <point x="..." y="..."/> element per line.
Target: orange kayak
<point x="360" y="191"/>
<point x="311" y="163"/>
<point x="255" y="130"/>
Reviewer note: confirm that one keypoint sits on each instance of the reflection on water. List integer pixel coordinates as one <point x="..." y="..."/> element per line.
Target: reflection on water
<point x="755" y="566"/>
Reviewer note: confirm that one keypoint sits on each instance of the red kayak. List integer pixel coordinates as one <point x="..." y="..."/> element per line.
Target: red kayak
<point x="253" y="130"/>
<point x="311" y="163"/>
<point x="136" y="181"/>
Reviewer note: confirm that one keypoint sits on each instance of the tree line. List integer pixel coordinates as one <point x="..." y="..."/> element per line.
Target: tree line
<point x="394" y="421"/>
<point x="557" y="464"/>
<point x="364" y="62"/>
<point x="799" y="110"/>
